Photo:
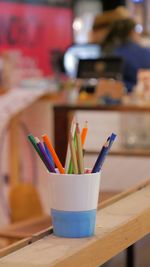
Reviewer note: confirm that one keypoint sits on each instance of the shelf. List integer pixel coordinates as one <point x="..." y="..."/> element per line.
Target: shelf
<point x="136" y="152"/>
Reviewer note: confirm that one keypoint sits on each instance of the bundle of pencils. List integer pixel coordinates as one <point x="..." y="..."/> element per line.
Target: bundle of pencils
<point x="75" y="156"/>
<point x="76" y="148"/>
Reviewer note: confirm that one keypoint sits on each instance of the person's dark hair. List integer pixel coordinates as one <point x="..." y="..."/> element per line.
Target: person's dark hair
<point x="119" y="33"/>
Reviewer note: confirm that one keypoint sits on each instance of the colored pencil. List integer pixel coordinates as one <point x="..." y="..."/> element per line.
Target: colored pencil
<point x="103" y="153"/>
<point x="33" y="142"/>
<point x="70" y="170"/>
<point x="112" y="139"/>
<point x="45" y="157"/>
<point x="53" y="153"/>
<point x="79" y="150"/>
<point x="100" y="159"/>
<point x="68" y="162"/>
<point x="73" y="154"/>
<point x="49" y="154"/>
<point x="84" y="133"/>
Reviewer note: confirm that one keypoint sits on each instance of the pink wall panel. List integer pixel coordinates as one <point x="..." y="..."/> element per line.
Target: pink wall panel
<point x="35" y="29"/>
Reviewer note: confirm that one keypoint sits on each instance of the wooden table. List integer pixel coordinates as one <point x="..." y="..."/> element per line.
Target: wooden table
<point x="23" y="229"/>
<point x="120" y="223"/>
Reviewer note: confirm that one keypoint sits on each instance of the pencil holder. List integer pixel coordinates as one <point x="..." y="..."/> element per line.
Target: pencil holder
<point x="74" y="199"/>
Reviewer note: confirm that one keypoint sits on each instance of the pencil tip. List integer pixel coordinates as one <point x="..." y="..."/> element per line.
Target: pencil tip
<point x="113" y="136"/>
<point x="37" y="140"/>
<point x="77" y="127"/>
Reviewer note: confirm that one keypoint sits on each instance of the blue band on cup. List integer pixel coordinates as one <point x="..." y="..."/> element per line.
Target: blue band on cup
<point x="73" y="223"/>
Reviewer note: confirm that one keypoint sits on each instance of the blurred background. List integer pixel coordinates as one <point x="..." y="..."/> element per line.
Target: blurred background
<point x="47" y="59"/>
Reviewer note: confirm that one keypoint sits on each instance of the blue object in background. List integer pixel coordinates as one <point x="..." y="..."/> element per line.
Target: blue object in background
<point x="137" y="1"/>
<point x="135" y="57"/>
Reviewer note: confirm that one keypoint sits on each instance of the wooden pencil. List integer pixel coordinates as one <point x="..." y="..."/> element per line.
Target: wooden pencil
<point x="73" y="154"/>
<point x="68" y="162"/>
<point x="79" y="150"/>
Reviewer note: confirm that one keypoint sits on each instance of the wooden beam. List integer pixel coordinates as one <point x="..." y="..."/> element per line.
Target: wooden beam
<point x="123" y="194"/>
<point x="97" y="107"/>
<point x="16" y="246"/>
<point x="27" y="228"/>
<point x="119" y="224"/>
<point x="31" y="227"/>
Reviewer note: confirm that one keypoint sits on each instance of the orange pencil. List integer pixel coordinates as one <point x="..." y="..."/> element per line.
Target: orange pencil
<point x="84" y="133"/>
<point x="53" y="153"/>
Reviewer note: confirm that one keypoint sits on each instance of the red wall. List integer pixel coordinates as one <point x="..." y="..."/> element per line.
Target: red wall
<point x="36" y="29"/>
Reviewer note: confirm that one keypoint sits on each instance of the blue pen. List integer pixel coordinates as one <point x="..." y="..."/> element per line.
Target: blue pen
<point x="103" y="153"/>
<point x="111" y="139"/>
<point x="100" y="158"/>
<point x="49" y="154"/>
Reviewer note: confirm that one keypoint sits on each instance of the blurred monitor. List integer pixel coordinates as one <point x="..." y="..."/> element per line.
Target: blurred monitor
<point x="104" y="67"/>
<point x="75" y="53"/>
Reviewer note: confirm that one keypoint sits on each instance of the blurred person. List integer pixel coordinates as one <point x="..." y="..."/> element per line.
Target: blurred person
<point x="103" y="21"/>
<point x="124" y="40"/>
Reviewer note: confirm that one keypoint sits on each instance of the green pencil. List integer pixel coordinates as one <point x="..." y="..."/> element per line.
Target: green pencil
<point x="33" y="142"/>
<point x="70" y="164"/>
<point x="73" y="154"/>
<point x="79" y="150"/>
